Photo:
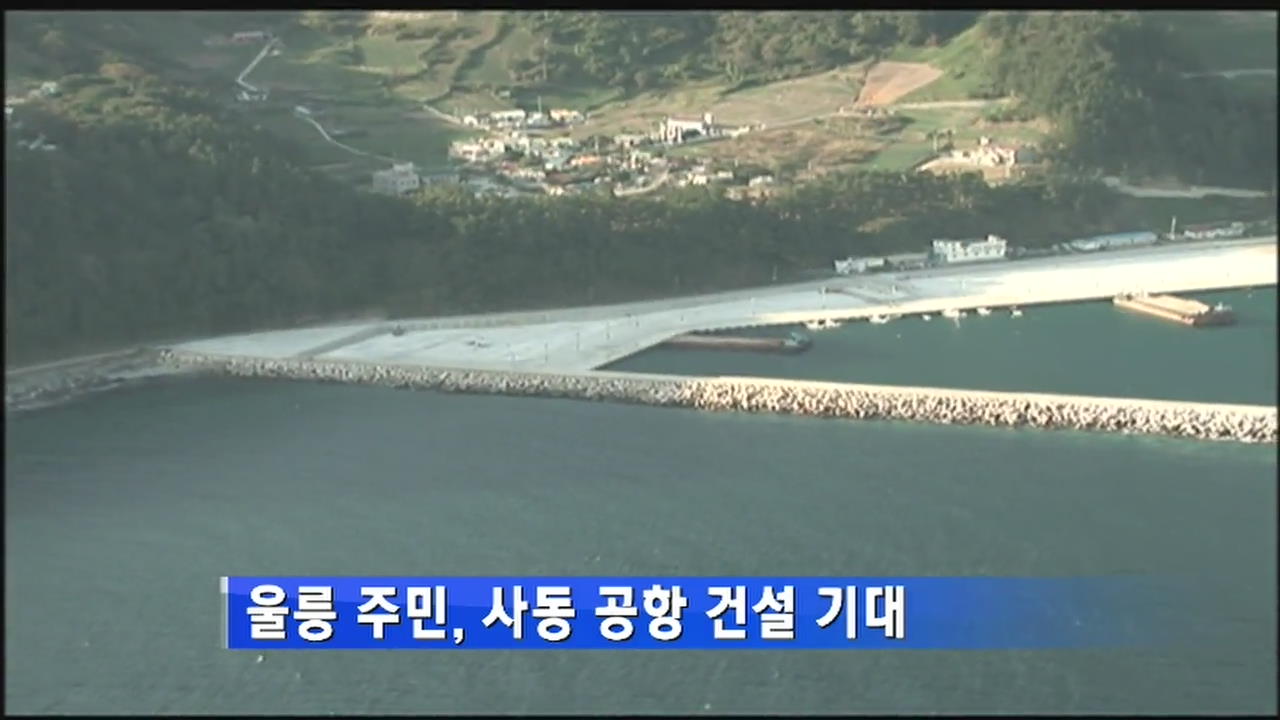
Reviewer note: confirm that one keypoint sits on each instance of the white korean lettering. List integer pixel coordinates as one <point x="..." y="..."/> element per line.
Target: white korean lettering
<point x="514" y="619"/>
<point x="388" y="613"/>
<point x="315" y="613"/>
<point x="731" y="598"/>
<point x="666" y="607"/>
<point x="893" y="617"/>
<point x="268" y="614"/>
<point x="424" y="604"/>
<point x="619" y="608"/>
<point x="777" y="611"/>
<point x="842" y="599"/>
<point x="554" y="609"/>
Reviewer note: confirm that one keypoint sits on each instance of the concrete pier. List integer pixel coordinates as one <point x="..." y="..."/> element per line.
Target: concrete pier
<point x="1240" y="423"/>
<point x="1168" y="307"/>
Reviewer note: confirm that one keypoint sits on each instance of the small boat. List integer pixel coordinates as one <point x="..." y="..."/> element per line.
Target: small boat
<point x="953" y="313"/>
<point x="926" y="317"/>
<point x="1015" y="312"/>
<point x="878" y="319"/>
<point x="796" y="342"/>
<point x="984" y="311"/>
<point x="822" y="324"/>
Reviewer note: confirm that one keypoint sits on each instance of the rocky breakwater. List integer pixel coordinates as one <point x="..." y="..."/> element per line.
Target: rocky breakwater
<point x="869" y="402"/>
<point x="1248" y="424"/>
<point x="638" y="390"/>
<point x="57" y="382"/>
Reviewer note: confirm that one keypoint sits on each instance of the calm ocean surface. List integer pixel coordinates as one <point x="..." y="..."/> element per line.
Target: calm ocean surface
<point x="1079" y="348"/>
<point x="123" y="509"/>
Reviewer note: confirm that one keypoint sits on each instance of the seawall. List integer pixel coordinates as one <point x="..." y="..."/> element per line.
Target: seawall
<point x="1240" y="423"/>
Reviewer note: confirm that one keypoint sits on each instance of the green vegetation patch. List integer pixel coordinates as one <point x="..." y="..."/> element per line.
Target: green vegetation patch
<point x="963" y="61"/>
<point x="1224" y="40"/>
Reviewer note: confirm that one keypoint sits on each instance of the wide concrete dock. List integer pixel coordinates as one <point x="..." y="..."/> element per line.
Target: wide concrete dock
<point x="585" y="338"/>
<point x="556" y="353"/>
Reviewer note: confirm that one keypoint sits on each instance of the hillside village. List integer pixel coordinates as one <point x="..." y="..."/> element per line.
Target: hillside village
<point x="518" y="151"/>
<point x="513" y="151"/>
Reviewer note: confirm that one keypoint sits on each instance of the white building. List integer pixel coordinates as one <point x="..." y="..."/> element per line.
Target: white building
<point x="400" y="179"/>
<point x="1207" y="232"/>
<point x="851" y="265"/>
<point x="630" y="139"/>
<point x="962" y="251"/>
<point x="675" y="130"/>
<point x="1103" y="242"/>
<point x="560" y="115"/>
<point x="509" y="117"/>
<point x="250" y="36"/>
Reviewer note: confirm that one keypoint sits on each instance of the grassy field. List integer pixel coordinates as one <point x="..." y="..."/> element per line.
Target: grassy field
<point x="389" y="120"/>
<point x="398" y="132"/>
<point x="961" y="62"/>
<point x="493" y="66"/>
<point x="900" y="156"/>
<point x="834" y="143"/>
<point x="771" y="104"/>
<point x="385" y="54"/>
<point x="1226" y="40"/>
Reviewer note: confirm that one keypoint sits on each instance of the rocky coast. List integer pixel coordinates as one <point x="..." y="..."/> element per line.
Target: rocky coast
<point x="1239" y="423"/>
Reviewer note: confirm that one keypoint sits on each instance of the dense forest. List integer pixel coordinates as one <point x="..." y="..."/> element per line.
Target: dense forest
<point x="163" y="214"/>
<point x="638" y="50"/>
<point x="1112" y="84"/>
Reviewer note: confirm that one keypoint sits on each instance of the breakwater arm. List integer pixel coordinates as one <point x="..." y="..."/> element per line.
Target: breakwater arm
<point x="1240" y="423"/>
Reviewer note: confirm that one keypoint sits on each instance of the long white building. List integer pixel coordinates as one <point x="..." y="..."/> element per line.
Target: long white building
<point x="949" y="252"/>
<point x="400" y="179"/>
<point x="851" y="265"/>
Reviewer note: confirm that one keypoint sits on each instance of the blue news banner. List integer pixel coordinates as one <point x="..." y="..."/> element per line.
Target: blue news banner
<point x="678" y="613"/>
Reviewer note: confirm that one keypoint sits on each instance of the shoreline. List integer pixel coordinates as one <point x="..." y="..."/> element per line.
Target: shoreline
<point x="585" y="339"/>
<point x="1250" y="424"/>
<point x="55" y="383"/>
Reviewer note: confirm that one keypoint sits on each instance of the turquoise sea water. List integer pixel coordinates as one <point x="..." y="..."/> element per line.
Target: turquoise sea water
<point x="1079" y="348"/>
<point x="122" y="511"/>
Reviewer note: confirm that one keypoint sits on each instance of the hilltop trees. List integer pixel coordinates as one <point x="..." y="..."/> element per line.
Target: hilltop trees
<point x="643" y="49"/>
<point x="1113" y="85"/>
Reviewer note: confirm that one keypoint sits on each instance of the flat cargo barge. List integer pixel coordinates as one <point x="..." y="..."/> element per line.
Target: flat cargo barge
<point x="796" y="343"/>
<point x="1169" y="307"/>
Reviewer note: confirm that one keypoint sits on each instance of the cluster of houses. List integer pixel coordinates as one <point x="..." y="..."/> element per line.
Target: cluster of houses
<point x="12" y="122"/>
<point x="675" y="131"/>
<point x="941" y="252"/>
<point x="1212" y="232"/>
<point x="512" y="119"/>
<point x="991" y="154"/>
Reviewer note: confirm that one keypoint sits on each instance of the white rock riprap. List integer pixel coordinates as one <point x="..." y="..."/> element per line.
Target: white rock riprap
<point x="1240" y="423"/>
